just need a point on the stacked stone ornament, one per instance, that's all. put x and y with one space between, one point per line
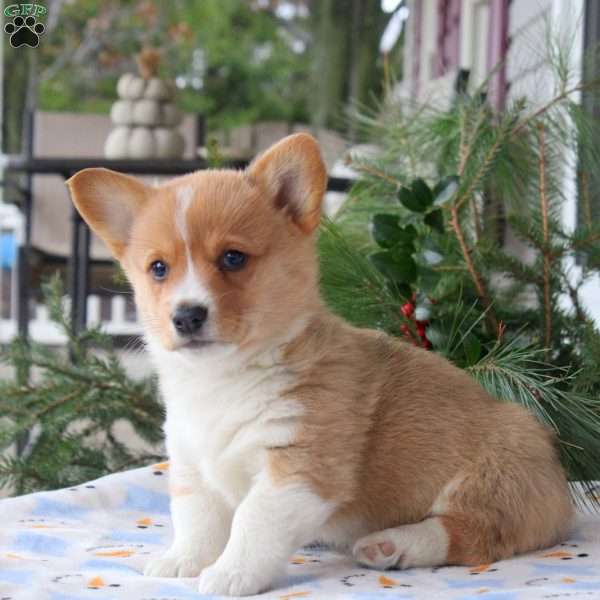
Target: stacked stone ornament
145 117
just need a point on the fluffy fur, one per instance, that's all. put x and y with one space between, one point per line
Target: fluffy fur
286 425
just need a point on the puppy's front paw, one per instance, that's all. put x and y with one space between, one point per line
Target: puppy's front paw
175 563
223 581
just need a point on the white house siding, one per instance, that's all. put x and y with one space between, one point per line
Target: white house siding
473 40
527 70
428 49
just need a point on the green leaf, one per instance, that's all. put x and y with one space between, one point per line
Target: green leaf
472 348
386 231
435 220
405 263
418 197
403 291
448 284
445 190
399 267
411 231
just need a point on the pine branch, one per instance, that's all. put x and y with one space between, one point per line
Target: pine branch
547 257
467 195
468 135
475 276
483 167
373 171
585 197
550 104
476 219
72 405
499 261
573 292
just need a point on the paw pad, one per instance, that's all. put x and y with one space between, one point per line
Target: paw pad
387 548
24 32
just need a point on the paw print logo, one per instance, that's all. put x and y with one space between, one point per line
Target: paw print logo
24 32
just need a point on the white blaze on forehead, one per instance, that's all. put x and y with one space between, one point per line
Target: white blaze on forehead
184 197
191 289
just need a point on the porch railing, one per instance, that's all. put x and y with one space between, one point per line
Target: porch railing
84 308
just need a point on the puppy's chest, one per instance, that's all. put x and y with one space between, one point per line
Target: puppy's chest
224 426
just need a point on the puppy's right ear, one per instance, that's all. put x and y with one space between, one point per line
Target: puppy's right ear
108 202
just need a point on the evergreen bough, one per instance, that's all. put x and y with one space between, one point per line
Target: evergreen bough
63 405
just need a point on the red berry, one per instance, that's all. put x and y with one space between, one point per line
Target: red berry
421 331
408 309
426 344
404 329
422 324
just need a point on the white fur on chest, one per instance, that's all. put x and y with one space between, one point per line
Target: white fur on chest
222 418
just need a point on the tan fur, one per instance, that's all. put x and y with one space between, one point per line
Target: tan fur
388 426
391 433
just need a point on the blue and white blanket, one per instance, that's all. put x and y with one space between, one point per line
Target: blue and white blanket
92 541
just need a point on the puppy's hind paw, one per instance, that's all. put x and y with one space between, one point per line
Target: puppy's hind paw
423 544
377 553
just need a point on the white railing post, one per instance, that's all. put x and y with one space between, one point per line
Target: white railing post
93 311
118 310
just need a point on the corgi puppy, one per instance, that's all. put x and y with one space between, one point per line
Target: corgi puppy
284 424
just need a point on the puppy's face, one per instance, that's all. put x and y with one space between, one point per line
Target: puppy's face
215 257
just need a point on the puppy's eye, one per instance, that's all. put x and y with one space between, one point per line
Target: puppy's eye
159 270
232 260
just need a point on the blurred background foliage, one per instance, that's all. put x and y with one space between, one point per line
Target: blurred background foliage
235 62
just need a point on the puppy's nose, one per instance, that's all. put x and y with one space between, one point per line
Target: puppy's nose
189 319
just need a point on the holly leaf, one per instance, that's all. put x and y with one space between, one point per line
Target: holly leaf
402 254
435 220
447 284
410 230
445 190
402 290
388 234
418 197
399 267
386 231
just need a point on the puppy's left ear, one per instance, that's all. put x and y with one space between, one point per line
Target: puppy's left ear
295 177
